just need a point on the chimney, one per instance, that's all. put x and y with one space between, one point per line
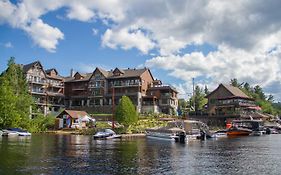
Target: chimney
71 72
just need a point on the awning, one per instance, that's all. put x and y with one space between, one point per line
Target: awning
87 119
255 108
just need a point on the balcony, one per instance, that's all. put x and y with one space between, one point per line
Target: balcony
58 85
38 92
41 82
96 86
79 88
125 84
235 103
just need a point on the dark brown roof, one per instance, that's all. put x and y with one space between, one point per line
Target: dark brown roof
104 72
49 70
235 91
75 114
86 76
57 77
163 87
30 65
127 73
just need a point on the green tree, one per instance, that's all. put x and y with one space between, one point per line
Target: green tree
125 112
182 106
198 99
259 92
14 97
206 90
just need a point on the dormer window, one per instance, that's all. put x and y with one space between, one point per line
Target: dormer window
118 72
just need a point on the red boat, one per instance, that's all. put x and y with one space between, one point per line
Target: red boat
235 131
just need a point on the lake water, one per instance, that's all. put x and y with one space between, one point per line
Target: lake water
71 154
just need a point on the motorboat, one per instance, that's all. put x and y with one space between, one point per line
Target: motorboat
238 131
15 132
167 133
106 134
220 134
246 127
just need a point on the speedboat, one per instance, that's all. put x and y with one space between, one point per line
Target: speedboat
246 127
15 132
106 134
238 131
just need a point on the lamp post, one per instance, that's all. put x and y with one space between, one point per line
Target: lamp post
193 91
113 106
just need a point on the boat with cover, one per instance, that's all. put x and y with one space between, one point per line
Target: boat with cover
179 130
106 134
169 133
15 132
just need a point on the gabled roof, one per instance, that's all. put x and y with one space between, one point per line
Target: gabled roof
128 73
117 70
104 72
49 70
30 65
75 114
86 77
235 91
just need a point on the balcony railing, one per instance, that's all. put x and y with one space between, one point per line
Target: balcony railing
37 82
125 84
60 85
96 86
37 92
236 103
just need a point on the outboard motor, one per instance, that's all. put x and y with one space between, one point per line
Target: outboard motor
203 135
182 137
267 131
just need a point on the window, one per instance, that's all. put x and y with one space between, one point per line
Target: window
212 101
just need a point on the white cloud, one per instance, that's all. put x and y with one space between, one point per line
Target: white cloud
8 45
25 16
246 33
222 65
44 35
127 39
80 12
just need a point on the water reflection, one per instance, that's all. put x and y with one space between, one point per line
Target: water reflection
71 154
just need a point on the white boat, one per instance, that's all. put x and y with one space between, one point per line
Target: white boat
106 134
15 132
170 132
194 129
165 133
220 134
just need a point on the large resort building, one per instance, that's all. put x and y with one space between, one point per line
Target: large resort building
45 86
100 90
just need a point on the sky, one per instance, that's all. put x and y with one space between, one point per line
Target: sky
211 41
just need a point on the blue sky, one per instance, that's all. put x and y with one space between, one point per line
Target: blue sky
212 41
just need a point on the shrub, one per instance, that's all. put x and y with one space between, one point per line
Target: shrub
125 112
